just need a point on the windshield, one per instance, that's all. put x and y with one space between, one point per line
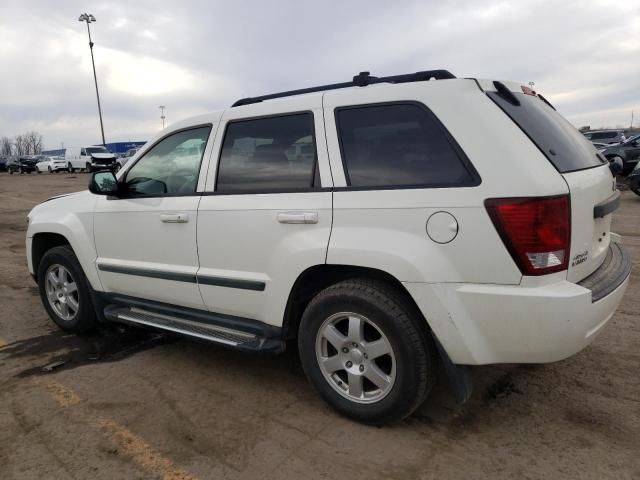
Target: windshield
603 135
565 147
97 150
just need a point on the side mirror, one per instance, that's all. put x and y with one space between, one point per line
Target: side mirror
616 166
104 183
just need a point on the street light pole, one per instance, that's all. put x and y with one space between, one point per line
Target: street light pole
89 19
162 107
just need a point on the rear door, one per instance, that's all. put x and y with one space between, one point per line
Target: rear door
266 215
591 185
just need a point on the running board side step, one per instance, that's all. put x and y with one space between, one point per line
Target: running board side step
193 328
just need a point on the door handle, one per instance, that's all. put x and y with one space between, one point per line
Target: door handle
298 217
174 217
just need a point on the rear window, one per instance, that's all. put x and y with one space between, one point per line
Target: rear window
565 147
400 145
603 135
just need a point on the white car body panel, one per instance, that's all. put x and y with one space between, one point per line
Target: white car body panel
367 222
52 164
253 245
76 159
130 233
72 217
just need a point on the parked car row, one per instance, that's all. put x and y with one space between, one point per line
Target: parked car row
627 152
22 165
606 137
90 158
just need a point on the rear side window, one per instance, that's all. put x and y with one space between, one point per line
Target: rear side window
268 154
565 147
400 145
603 135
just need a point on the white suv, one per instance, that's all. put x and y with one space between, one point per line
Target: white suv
387 224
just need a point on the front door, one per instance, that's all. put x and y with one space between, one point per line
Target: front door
146 239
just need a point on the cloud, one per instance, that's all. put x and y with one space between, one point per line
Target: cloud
197 56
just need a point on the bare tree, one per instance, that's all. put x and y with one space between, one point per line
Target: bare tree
20 144
33 141
6 147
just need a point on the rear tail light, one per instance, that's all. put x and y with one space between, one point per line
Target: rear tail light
536 231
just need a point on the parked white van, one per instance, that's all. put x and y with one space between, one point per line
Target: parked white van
90 158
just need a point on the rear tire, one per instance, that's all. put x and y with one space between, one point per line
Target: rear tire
88 168
65 291
342 335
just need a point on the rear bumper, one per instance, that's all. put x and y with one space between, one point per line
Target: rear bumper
481 324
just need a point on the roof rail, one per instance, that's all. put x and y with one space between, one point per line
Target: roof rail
361 80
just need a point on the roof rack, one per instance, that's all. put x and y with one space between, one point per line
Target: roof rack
361 80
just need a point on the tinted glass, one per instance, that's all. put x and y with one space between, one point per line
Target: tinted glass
399 145
97 150
171 166
565 147
602 135
268 154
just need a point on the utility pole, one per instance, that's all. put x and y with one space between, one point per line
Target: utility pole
90 19
162 117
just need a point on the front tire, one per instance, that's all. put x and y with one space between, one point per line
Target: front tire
65 290
366 351
88 168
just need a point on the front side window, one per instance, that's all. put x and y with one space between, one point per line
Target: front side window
399 145
268 154
171 166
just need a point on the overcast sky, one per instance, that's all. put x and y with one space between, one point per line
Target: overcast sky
196 57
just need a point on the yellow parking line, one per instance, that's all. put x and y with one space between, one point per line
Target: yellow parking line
61 394
3 342
142 453
128 442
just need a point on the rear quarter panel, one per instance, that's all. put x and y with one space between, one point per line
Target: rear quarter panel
386 229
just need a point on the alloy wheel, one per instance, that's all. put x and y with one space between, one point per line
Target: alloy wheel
62 292
355 357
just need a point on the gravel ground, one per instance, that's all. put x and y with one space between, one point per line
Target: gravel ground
139 404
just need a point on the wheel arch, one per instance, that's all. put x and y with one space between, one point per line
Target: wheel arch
318 277
41 243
